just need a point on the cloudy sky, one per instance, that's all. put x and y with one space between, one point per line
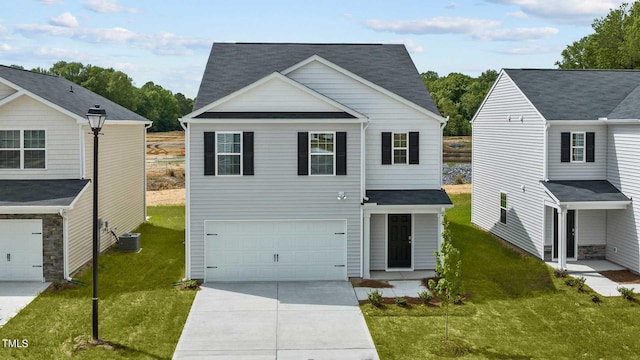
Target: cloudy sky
168 42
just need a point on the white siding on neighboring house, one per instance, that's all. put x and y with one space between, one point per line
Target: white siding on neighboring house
378 239
80 230
426 241
268 97
508 156
276 191
596 170
62 140
385 115
623 171
5 91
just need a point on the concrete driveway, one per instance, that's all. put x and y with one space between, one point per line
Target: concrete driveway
14 296
276 320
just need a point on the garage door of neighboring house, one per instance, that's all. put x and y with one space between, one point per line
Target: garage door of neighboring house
276 250
21 250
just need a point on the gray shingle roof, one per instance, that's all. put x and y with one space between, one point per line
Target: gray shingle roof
56 90
40 192
584 190
408 197
580 94
232 66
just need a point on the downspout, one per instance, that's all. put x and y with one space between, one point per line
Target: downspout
363 160
144 152
187 185
546 152
65 244
83 167
442 125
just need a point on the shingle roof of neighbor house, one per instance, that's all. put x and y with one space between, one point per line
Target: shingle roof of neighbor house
58 91
581 94
40 192
232 66
584 190
408 197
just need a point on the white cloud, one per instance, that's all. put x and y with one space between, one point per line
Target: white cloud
517 34
436 25
107 6
51 2
65 20
411 45
451 5
530 50
5 47
59 53
518 14
577 11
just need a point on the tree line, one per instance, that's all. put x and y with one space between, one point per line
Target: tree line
151 100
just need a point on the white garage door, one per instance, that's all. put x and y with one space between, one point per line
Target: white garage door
276 250
21 250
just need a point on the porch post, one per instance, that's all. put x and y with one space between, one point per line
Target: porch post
562 238
440 228
367 242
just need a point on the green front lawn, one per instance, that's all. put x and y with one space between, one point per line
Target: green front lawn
517 310
141 313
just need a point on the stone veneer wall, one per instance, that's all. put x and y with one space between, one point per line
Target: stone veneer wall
587 252
52 243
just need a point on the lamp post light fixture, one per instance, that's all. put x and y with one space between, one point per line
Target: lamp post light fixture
96 117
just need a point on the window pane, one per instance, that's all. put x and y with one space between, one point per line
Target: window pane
503 200
578 154
34 139
400 156
228 143
9 139
322 143
9 159
503 216
228 164
322 165
400 140
578 140
34 159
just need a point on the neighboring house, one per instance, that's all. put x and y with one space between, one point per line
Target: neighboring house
556 166
46 163
312 162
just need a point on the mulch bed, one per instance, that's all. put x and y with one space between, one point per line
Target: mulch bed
370 283
410 301
621 276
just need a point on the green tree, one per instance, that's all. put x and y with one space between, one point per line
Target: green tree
160 106
184 103
449 269
615 43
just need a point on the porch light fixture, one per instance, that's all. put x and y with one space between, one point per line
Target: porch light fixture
342 195
96 117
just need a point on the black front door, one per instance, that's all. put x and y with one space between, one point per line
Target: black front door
399 241
570 233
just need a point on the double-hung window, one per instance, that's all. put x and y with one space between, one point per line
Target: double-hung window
400 148
503 208
22 149
321 153
229 153
577 146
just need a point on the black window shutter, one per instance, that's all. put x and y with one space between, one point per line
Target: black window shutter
209 153
591 144
414 148
565 147
247 153
341 153
303 153
386 148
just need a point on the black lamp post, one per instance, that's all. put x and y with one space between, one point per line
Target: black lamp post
96 117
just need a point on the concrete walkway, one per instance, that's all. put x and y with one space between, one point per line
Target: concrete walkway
591 269
270 320
14 296
400 288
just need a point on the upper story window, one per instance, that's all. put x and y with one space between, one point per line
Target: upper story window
22 149
503 208
400 148
321 153
229 153
577 146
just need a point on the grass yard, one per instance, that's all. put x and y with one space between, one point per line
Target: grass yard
141 313
517 310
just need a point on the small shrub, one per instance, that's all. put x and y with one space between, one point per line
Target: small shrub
570 282
172 173
627 293
400 301
579 282
425 296
375 297
458 180
190 285
56 285
457 300
596 299
560 273
453 348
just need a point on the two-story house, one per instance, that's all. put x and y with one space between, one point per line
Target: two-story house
555 168
311 162
46 164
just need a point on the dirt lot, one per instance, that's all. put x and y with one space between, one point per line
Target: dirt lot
456 149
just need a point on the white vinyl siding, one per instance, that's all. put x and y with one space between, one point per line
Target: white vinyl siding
426 241
507 156
377 245
80 241
596 170
5 91
276 192
623 171
591 227
385 115
62 140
